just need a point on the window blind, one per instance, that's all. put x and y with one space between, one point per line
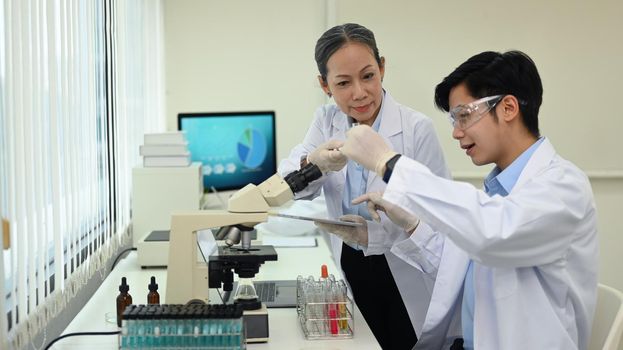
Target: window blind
80 82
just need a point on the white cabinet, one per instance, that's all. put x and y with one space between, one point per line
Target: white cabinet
158 191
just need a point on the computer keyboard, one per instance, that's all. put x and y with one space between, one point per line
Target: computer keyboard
265 291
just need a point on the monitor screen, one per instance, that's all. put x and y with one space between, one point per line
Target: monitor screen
235 148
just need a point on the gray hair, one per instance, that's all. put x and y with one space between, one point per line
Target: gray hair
338 36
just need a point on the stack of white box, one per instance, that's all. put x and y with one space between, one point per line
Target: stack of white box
166 149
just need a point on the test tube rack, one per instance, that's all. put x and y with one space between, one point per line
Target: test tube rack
164 327
324 309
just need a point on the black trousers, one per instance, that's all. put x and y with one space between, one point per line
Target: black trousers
378 298
457 345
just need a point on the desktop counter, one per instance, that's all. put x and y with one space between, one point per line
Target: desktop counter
284 328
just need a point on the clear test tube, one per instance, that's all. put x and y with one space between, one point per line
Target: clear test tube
342 310
313 308
179 326
219 328
171 327
196 325
124 335
128 327
213 341
333 307
306 299
135 336
353 122
149 327
299 292
324 303
157 331
140 329
228 339
205 329
239 328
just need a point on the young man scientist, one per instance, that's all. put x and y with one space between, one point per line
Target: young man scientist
519 260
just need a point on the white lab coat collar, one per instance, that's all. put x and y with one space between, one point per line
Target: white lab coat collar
541 158
391 123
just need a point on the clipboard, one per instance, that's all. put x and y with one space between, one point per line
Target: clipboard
324 221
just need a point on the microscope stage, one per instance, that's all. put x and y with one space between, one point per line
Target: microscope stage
258 253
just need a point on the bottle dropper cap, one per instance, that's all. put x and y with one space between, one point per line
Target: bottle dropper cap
324 273
153 286
124 288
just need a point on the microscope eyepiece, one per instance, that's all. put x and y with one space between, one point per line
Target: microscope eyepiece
300 179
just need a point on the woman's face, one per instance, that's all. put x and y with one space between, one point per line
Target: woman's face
354 79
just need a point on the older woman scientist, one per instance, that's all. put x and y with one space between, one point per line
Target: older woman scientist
351 71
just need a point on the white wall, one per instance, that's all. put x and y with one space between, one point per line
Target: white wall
244 55
577 46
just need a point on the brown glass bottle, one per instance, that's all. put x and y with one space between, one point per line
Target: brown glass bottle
123 299
153 297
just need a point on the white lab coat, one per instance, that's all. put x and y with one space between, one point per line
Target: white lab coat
535 253
410 133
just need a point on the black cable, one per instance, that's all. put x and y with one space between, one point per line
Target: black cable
219 294
119 256
80 333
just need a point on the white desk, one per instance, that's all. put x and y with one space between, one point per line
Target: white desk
284 328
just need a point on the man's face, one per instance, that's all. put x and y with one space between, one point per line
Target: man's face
354 78
482 140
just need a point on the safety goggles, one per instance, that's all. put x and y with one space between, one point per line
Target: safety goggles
464 116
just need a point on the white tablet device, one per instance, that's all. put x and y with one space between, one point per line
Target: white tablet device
324 221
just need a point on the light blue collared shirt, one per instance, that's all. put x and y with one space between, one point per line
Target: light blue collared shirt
496 183
357 181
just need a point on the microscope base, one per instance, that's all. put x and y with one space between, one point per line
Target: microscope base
256 324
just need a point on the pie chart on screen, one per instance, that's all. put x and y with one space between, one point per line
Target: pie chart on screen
252 148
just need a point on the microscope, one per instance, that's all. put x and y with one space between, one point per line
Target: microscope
189 278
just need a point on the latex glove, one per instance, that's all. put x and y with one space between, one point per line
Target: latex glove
349 234
368 148
395 213
327 156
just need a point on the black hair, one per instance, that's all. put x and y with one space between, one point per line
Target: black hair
493 73
338 36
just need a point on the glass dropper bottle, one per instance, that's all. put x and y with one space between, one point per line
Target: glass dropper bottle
153 297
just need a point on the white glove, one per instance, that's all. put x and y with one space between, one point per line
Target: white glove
349 234
366 147
395 213
327 156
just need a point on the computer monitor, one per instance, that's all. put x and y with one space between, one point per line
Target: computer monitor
235 148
